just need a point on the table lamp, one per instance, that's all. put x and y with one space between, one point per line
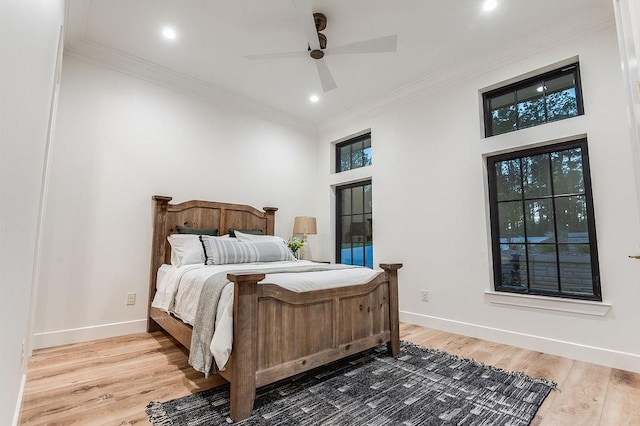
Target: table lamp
304 225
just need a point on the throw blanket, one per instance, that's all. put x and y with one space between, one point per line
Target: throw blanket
200 357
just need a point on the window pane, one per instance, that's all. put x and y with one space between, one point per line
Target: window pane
567 172
508 180
346 230
357 229
503 113
511 220
345 201
543 267
575 269
561 97
344 153
572 219
357 155
368 229
368 204
513 265
357 254
366 155
536 176
357 200
345 256
539 220
531 107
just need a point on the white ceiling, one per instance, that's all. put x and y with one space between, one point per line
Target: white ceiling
434 37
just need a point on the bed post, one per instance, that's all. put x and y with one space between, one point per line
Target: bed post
160 206
271 218
245 344
394 314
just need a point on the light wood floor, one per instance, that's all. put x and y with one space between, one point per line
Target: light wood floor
110 382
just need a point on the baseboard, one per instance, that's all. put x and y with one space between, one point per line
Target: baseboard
592 354
83 334
18 410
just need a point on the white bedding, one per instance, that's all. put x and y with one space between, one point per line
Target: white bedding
178 291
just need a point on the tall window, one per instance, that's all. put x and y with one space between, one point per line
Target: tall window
552 96
353 153
354 239
542 224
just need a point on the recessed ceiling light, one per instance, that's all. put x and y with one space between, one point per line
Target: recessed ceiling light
490 5
169 33
314 98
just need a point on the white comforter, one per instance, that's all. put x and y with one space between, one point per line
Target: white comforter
178 291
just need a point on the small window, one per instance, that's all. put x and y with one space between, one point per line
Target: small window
542 225
354 219
552 96
353 153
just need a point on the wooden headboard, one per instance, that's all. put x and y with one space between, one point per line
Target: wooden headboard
200 214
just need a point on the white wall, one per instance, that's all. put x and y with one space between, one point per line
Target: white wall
120 140
431 213
29 33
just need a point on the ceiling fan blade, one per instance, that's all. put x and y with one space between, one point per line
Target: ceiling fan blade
328 83
305 17
276 55
374 45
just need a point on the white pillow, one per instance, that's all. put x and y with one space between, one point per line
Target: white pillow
257 238
186 249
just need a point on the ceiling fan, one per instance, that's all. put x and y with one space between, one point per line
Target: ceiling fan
312 25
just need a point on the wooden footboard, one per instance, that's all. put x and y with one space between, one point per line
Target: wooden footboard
279 333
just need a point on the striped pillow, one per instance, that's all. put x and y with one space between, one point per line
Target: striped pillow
221 251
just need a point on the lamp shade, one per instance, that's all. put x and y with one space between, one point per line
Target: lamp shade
305 225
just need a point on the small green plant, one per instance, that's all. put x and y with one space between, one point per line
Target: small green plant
295 244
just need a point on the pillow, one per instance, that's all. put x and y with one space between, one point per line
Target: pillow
232 231
186 249
202 231
257 237
220 251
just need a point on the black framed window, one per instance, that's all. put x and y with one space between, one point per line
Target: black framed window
353 153
354 229
542 223
552 96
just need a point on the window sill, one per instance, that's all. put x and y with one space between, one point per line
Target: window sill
584 307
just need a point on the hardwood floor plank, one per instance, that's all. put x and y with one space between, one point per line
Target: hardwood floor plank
581 397
622 403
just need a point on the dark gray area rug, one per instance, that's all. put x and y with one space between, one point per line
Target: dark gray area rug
419 387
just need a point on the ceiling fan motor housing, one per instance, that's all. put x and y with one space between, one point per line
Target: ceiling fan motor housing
321 23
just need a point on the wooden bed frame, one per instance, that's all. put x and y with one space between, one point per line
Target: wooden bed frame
277 333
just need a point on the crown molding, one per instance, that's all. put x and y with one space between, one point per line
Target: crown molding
77 45
592 22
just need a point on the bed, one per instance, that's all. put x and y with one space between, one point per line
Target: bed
275 330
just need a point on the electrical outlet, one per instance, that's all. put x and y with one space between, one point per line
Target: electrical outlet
131 298
425 296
